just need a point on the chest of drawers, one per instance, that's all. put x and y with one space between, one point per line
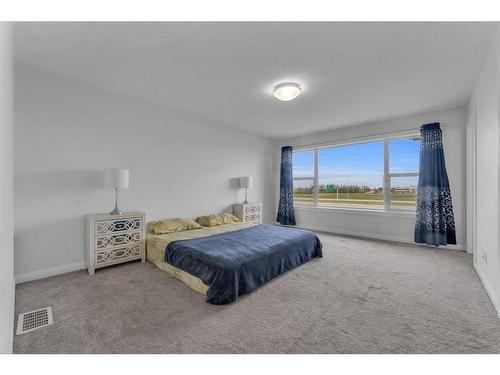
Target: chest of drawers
112 239
248 212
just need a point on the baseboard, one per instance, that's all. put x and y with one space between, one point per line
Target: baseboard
47 272
489 289
375 236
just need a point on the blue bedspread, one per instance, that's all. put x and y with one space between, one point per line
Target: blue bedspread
238 262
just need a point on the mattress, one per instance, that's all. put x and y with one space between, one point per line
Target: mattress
156 245
238 262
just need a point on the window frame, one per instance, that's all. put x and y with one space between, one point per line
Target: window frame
386 138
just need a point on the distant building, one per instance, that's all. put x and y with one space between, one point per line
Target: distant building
405 190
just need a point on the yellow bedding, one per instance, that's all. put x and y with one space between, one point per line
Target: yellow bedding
156 244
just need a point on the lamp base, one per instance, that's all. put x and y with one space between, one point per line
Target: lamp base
246 196
116 211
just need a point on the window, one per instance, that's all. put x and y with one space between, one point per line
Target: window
404 159
303 177
378 174
351 176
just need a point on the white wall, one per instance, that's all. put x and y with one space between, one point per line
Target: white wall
383 225
484 115
6 193
66 134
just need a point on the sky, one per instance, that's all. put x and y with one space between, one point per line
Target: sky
360 164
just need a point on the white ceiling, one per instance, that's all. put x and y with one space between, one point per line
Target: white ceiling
350 73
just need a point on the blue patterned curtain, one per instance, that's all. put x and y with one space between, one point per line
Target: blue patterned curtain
435 224
286 214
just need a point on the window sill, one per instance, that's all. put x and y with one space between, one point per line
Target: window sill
359 211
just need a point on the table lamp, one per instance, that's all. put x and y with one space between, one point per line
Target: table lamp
117 178
246 183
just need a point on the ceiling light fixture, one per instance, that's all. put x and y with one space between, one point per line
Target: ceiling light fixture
287 91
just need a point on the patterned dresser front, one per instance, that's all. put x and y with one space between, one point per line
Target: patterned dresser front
248 212
113 239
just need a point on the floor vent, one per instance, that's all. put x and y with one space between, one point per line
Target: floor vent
32 320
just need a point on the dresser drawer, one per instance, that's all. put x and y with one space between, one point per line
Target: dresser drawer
116 226
252 218
117 255
122 239
252 209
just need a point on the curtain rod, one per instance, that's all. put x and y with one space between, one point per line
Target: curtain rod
374 137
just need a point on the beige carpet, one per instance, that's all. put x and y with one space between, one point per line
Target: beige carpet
362 297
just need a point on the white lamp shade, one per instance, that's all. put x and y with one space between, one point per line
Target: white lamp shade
117 178
245 182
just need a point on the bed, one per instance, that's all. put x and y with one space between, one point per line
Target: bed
225 261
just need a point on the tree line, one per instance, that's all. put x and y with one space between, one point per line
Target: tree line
341 189
354 189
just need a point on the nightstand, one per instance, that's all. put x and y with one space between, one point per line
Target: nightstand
112 239
248 212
